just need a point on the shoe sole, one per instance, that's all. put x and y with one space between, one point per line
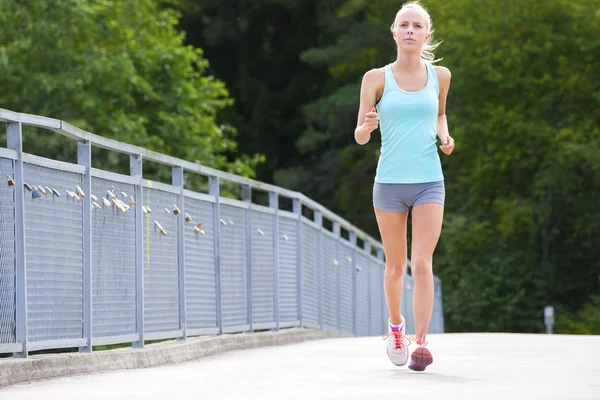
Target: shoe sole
421 358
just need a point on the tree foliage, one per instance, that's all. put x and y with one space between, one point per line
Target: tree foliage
521 213
254 46
118 69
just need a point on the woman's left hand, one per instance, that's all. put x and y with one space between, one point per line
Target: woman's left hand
447 145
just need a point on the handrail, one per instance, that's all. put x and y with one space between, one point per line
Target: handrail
75 133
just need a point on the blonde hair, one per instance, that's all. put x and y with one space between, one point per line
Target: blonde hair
427 53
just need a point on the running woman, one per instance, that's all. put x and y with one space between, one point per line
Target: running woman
407 100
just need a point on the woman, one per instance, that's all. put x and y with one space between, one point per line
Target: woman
407 98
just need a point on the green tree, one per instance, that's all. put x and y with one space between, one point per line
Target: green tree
527 122
120 70
254 47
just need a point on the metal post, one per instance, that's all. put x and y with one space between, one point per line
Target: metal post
14 138
247 197
214 190
549 318
383 302
84 157
297 209
354 286
177 181
319 221
338 271
367 248
274 203
135 169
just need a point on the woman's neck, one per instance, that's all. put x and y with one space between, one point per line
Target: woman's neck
408 62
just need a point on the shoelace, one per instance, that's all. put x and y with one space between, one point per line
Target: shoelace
401 339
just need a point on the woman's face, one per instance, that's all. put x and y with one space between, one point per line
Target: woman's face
412 30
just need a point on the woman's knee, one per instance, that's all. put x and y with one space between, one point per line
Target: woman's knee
395 269
421 267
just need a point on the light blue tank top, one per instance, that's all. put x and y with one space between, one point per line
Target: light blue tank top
408 125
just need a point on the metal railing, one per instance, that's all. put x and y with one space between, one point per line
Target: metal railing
90 257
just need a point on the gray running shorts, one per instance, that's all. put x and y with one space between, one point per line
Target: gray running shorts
398 197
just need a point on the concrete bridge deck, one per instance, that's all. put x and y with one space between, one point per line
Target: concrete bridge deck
466 366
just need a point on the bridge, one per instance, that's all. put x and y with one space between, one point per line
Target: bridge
219 290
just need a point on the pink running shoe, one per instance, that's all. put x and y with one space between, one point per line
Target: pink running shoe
421 358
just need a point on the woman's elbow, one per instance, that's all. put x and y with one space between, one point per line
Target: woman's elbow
361 138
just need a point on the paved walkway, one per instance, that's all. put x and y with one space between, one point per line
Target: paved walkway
466 366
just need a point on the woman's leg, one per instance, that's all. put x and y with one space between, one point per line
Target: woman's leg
426 227
392 228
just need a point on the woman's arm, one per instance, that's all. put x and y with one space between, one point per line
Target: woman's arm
370 91
444 77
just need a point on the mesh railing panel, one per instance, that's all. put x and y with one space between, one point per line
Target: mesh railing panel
161 271
407 303
200 277
329 261
377 297
7 253
346 289
54 255
362 295
263 283
437 317
113 261
288 271
234 272
310 275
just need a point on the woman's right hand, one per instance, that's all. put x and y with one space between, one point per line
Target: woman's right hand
371 120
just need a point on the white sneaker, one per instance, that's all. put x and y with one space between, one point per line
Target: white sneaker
397 344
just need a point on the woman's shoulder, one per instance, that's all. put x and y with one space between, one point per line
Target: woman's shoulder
443 73
374 75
